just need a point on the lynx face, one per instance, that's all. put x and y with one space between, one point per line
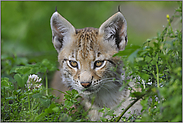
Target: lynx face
85 55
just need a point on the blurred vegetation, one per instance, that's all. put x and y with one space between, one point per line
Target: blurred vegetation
26 29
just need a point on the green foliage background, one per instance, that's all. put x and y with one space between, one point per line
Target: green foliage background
25 29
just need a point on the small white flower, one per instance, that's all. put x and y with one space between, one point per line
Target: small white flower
33 82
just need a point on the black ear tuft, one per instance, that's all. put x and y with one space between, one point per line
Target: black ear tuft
56 9
119 9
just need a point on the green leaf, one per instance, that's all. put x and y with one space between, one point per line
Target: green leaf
68 104
45 62
23 61
21 69
19 80
55 109
37 95
67 96
128 50
136 94
132 56
144 76
43 69
6 84
10 98
68 92
45 102
40 117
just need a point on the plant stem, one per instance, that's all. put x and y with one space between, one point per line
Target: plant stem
157 75
131 104
29 102
46 84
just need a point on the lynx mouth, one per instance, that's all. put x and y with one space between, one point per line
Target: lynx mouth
89 91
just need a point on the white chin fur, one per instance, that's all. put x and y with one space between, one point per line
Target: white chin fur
87 93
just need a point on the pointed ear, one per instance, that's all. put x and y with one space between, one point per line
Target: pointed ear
62 31
114 31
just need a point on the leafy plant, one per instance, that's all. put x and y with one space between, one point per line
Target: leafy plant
30 101
157 68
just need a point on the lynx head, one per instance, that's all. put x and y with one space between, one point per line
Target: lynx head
85 55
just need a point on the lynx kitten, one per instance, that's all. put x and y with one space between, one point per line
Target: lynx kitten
87 65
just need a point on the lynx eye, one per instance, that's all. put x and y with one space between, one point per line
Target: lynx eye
73 64
99 63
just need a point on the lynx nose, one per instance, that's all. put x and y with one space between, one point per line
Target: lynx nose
86 84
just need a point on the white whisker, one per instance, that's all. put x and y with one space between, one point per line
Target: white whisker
110 80
106 89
